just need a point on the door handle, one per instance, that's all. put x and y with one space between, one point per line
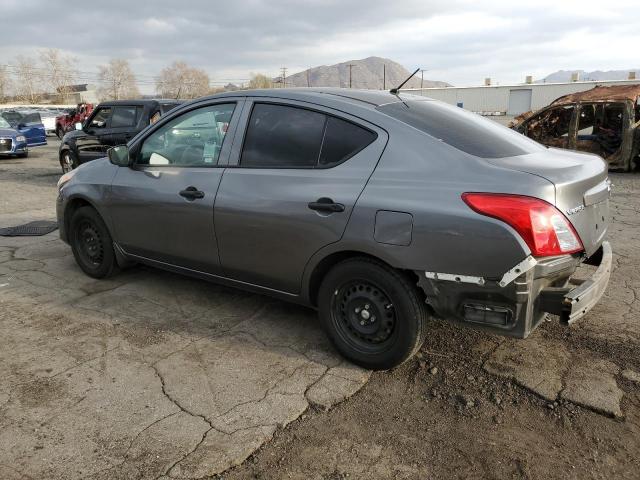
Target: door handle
325 204
191 193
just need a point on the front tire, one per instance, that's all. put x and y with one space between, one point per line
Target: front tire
91 243
23 155
68 161
59 132
373 314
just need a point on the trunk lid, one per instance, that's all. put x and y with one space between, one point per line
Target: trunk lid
582 188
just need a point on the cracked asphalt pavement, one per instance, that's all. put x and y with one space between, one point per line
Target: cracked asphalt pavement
150 375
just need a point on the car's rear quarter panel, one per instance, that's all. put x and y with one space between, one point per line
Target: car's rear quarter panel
420 176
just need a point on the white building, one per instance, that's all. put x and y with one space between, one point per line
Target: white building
509 100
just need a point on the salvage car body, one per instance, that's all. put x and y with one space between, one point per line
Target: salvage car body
66 122
402 202
603 120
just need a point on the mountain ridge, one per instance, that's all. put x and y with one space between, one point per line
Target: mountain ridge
367 73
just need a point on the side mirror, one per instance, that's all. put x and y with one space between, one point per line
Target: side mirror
119 155
78 126
22 126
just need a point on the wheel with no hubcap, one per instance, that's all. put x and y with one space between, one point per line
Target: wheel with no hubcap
68 162
373 314
91 243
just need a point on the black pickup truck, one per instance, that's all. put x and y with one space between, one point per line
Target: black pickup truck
111 123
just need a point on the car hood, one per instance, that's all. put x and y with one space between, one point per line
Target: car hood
74 134
8 132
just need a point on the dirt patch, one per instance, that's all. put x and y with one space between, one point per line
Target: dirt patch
40 392
443 416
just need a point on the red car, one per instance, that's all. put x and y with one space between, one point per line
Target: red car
66 122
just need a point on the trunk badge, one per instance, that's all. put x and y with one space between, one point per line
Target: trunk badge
577 209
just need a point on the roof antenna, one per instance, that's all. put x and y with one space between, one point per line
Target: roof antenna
396 90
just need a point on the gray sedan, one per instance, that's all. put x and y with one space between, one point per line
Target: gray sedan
377 209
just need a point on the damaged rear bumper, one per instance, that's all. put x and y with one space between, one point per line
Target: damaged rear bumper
571 304
515 304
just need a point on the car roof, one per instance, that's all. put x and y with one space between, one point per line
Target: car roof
372 98
602 94
141 102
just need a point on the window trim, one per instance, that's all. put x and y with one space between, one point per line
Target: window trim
265 101
235 115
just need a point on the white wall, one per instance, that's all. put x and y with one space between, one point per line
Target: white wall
495 99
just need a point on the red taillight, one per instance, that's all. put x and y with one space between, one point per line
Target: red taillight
545 229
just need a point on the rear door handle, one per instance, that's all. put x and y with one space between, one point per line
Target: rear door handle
191 193
325 204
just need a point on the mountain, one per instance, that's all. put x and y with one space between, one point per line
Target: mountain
365 73
565 75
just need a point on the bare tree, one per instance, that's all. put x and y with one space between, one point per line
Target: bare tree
5 83
60 71
117 81
259 80
179 80
28 80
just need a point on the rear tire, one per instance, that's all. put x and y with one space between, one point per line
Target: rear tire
68 161
373 314
91 243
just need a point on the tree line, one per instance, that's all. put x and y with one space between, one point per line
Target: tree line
51 72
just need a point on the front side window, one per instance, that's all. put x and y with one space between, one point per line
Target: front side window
280 136
551 124
191 140
125 116
101 118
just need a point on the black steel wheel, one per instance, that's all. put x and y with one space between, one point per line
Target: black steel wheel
91 243
373 314
363 315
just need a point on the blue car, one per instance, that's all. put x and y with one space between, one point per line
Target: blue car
18 131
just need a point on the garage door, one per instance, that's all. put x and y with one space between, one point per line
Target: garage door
519 101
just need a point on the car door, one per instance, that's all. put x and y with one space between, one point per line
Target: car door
97 135
162 206
290 189
124 122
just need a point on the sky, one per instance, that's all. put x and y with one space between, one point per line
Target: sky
457 41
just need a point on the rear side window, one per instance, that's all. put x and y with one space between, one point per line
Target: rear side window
461 129
280 136
342 140
125 116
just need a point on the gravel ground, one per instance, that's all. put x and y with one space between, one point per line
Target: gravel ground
109 379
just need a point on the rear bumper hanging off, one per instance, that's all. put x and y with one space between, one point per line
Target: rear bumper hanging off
516 303
572 303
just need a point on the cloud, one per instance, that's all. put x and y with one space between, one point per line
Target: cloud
459 41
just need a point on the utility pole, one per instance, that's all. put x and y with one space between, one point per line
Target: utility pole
351 65
384 76
308 82
284 76
422 78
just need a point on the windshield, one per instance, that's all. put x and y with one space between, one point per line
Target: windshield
461 129
4 123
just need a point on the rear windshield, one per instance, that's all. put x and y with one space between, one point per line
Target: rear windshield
461 129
